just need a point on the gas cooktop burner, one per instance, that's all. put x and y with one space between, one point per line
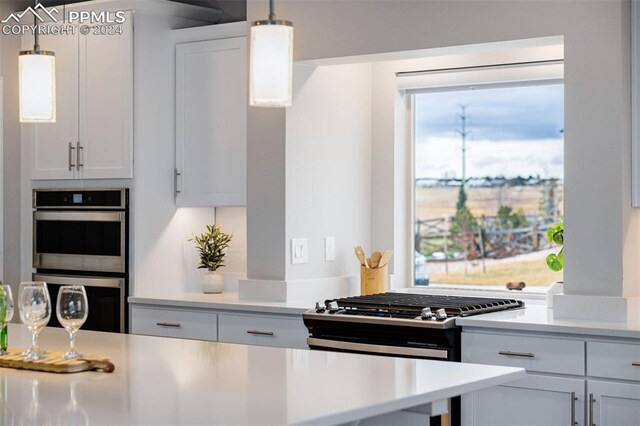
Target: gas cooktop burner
437 310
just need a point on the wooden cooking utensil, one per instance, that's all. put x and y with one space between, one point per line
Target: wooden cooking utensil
374 260
386 257
360 255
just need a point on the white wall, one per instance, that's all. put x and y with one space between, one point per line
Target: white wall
161 253
328 167
597 105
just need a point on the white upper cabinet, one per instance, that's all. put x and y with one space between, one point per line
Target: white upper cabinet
53 145
211 122
93 135
106 104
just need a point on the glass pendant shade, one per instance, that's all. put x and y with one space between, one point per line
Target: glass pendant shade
37 70
271 64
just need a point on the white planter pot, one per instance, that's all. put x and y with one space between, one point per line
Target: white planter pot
557 287
212 282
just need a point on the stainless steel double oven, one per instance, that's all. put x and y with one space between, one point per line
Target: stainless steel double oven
81 237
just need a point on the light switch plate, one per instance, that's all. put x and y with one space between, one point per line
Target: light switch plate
330 249
299 251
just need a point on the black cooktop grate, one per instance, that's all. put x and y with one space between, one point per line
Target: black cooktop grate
410 305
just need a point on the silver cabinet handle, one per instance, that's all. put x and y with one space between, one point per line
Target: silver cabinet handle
80 154
636 363
71 149
260 333
520 354
176 174
169 324
574 398
592 400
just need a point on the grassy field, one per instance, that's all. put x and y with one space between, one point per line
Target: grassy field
530 269
531 272
439 202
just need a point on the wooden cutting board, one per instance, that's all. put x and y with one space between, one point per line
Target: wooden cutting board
55 363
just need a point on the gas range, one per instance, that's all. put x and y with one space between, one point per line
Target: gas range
407 309
398 324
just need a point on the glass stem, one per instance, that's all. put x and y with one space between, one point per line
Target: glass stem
72 341
34 342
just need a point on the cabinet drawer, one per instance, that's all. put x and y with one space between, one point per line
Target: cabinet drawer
167 322
613 360
532 353
263 330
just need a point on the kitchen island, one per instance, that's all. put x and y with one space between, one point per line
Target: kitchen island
177 381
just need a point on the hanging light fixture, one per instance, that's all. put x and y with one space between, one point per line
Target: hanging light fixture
271 62
37 72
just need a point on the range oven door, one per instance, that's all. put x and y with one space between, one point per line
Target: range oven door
93 241
106 298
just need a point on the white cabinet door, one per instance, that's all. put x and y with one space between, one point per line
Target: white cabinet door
211 123
613 403
533 401
53 145
106 104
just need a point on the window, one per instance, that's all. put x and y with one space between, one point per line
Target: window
488 176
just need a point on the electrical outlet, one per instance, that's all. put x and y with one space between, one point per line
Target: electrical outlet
299 251
330 249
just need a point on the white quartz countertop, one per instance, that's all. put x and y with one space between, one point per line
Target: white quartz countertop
539 318
160 381
226 300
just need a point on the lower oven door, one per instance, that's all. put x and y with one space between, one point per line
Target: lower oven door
106 298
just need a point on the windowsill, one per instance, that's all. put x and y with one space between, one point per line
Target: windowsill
533 294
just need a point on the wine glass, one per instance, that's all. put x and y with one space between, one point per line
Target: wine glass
72 310
34 304
6 297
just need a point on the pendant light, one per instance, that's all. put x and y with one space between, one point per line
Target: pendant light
37 73
271 62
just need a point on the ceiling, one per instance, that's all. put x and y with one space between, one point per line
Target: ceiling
234 10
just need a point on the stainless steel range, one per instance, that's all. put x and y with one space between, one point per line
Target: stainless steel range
398 324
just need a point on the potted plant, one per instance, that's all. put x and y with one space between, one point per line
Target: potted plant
555 262
212 246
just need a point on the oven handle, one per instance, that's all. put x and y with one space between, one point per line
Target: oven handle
80 216
85 281
378 349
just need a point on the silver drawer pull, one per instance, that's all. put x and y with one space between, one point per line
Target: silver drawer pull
636 363
521 354
260 333
169 324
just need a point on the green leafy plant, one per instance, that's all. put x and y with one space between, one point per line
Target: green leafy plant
212 246
555 235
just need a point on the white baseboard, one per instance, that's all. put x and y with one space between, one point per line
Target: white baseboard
591 308
291 290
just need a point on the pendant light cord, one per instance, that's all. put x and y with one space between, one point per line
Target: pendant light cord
272 15
36 35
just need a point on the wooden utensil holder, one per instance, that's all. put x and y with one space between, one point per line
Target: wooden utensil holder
374 281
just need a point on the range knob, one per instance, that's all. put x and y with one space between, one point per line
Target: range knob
441 314
426 314
319 308
332 307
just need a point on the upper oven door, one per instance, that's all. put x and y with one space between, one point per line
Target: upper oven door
92 241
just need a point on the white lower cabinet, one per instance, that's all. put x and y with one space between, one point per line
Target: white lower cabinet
571 380
263 330
171 322
613 403
534 401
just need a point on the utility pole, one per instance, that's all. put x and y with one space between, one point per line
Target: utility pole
463 134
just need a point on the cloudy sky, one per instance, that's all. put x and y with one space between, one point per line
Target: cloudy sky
512 132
